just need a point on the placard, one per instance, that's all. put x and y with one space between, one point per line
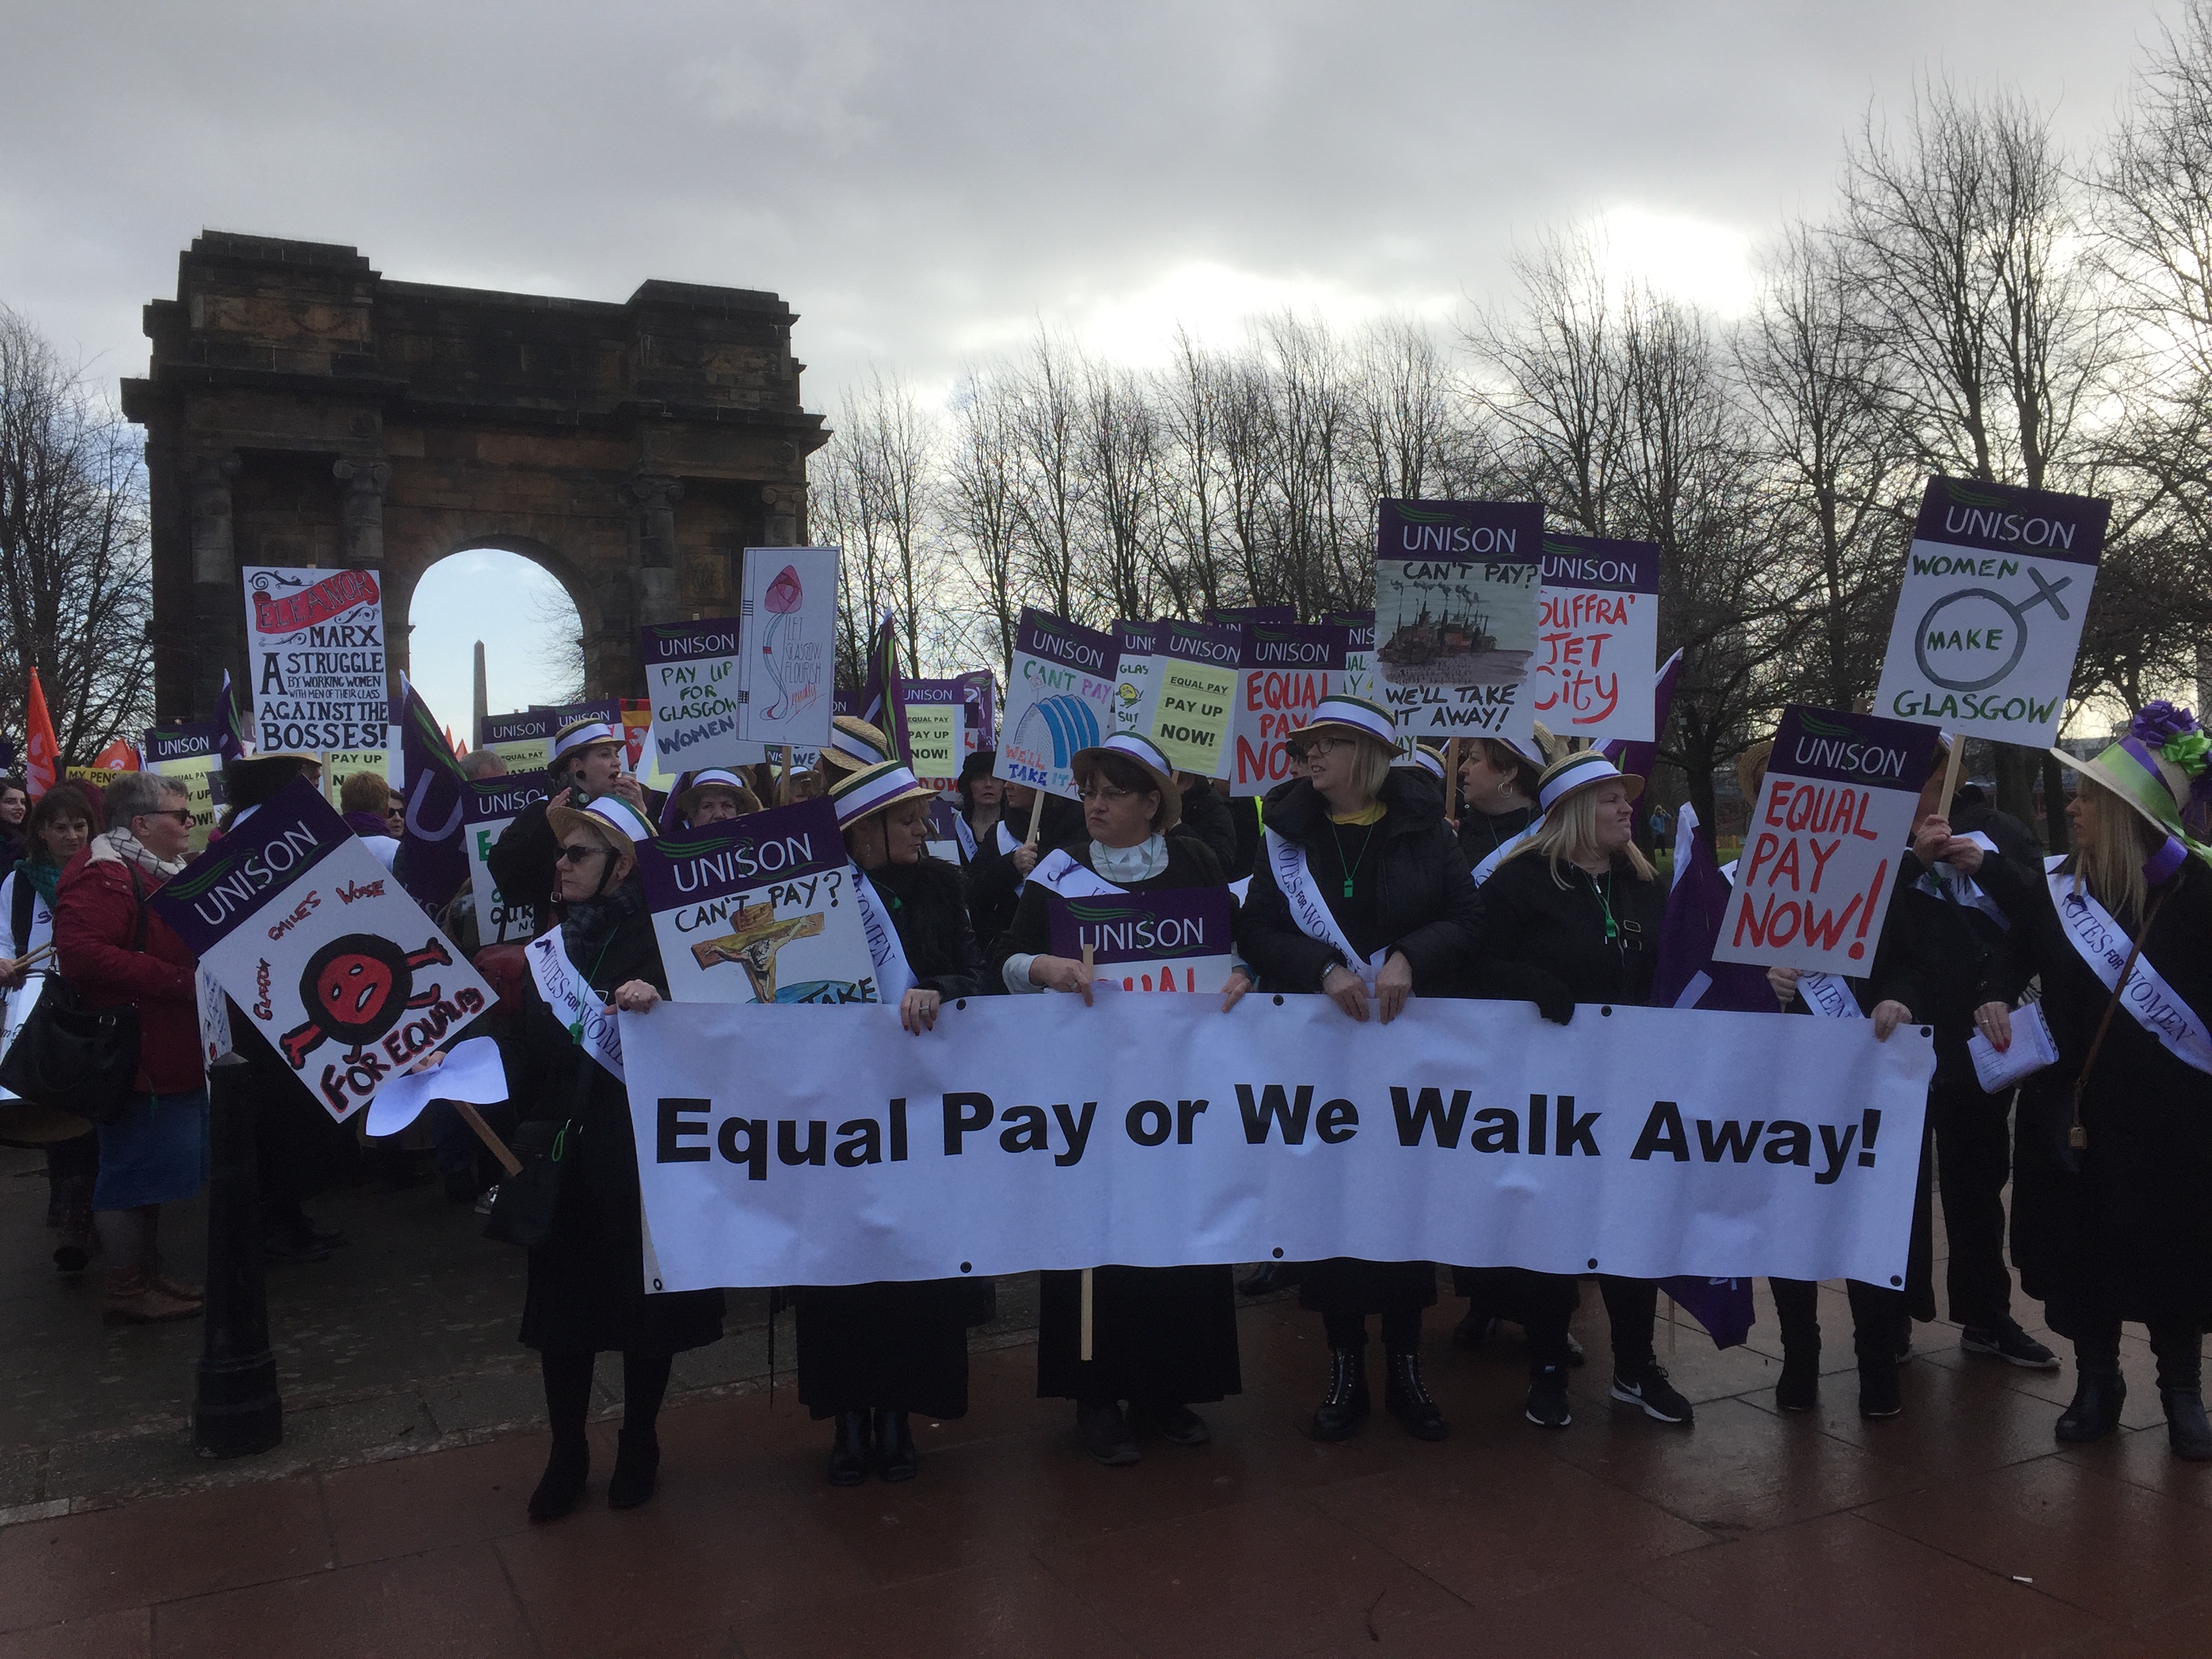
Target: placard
188 754
1061 698
1988 614
315 650
789 617
1173 938
1359 678
1820 857
321 948
693 681
339 764
980 686
1136 688
759 909
1287 671
1456 585
1197 668
489 805
934 712
524 741
1597 638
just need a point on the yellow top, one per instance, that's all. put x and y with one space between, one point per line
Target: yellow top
1371 813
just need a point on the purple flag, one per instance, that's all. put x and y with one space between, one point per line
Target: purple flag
234 728
433 860
1723 1306
1636 760
982 690
1686 976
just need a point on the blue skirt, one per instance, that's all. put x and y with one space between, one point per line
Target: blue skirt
156 1153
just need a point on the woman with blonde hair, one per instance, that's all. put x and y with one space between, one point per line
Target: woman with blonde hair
2113 1161
1572 915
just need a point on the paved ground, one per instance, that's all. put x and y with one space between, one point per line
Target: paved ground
1960 1529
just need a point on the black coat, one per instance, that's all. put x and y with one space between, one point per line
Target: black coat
1244 815
1189 865
1413 894
2122 1228
586 1292
1543 935
928 905
1480 834
993 887
1206 817
522 862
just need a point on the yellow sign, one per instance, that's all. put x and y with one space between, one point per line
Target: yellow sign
196 774
1190 722
339 764
933 736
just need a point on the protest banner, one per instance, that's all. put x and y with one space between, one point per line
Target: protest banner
189 753
1287 670
315 649
325 953
1037 1133
524 741
934 713
1061 697
489 805
1597 638
1170 940
1988 614
789 624
1196 666
693 681
759 909
1456 585
1136 689
1832 819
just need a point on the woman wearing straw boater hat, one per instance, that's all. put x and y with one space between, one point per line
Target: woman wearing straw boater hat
714 794
871 1355
1361 895
1164 1339
1572 915
1497 783
587 761
2111 1220
587 1287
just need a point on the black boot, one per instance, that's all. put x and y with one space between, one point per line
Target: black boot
2186 1430
1798 1388
1346 1403
895 1457
2095 1413
1878 1396
1406 1398
562 1485
637 1468
1474 1327
849 1452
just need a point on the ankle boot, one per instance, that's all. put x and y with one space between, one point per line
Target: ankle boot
850 1451
563 1484
1878 1396
1339 1412
2095 1413
2186 1430
895 1457
637 1468
133 1298
1407 1398
1798 1388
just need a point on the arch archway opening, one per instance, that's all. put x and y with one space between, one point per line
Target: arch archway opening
533 634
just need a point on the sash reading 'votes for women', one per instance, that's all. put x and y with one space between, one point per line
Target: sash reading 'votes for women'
894 976
1488 867
574 1002
1311 912
1827 993
1057 872
2155 1004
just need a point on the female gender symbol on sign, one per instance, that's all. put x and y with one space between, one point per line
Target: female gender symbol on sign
2045 592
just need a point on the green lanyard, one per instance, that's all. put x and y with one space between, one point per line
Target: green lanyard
1351 866
576 1025
1605 904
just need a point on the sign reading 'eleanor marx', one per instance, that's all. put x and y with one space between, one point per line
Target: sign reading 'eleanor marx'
315 642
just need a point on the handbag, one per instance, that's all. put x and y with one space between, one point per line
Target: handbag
523 1213
74 1057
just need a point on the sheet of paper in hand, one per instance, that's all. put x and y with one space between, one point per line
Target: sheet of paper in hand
1597 638
1173 939
1061 697
759 909
323 951
1989 616
1456 590
1832 820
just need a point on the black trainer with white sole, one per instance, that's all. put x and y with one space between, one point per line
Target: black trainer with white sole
1648 1387
1547 1397
2007 1342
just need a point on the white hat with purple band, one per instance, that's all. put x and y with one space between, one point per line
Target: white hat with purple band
1581 770
582 734
874 788
1353 715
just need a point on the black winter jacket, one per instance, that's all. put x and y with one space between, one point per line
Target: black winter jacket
1206 817
929 910
1543 935
1190 863
1413 892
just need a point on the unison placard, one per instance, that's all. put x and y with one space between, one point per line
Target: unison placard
1455 594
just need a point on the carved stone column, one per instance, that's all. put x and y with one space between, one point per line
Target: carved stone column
654 521
781 505
360 509
215 548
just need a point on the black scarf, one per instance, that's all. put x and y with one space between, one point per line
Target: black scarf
587 924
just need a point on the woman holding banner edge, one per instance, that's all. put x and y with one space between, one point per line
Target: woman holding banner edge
871 1355
2114 1159
1164 1338
1570 915
1361 894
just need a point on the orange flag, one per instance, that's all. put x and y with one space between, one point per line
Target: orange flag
42 762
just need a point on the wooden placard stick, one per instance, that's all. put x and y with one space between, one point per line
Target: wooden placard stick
783 788
1950 778
474 1119
1037 816
1089 967
1451 778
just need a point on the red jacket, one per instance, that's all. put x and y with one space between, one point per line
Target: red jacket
95 917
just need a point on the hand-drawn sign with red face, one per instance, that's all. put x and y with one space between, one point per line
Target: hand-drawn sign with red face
355 989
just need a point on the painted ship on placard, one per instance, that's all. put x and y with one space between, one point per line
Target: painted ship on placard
1445 649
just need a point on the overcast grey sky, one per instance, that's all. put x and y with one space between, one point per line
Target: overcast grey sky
924 182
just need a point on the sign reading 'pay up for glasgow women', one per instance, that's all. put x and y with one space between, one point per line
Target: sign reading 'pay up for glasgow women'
1989 616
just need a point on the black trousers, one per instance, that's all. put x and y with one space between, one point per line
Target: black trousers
1973 1161
1879 1317
2179 1350
1549 1300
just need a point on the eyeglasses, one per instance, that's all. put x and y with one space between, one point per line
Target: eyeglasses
1106 793
182 814
578 853
1325 745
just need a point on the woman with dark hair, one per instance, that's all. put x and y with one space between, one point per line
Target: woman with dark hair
1164 1339
1572 915
998 865
58 828
1497 783
871 1355
587 1290
2110 1219
1362 895
14 810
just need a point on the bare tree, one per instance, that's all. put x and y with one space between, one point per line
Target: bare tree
1122 469
982 505
1190 394
1046 413
74 572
